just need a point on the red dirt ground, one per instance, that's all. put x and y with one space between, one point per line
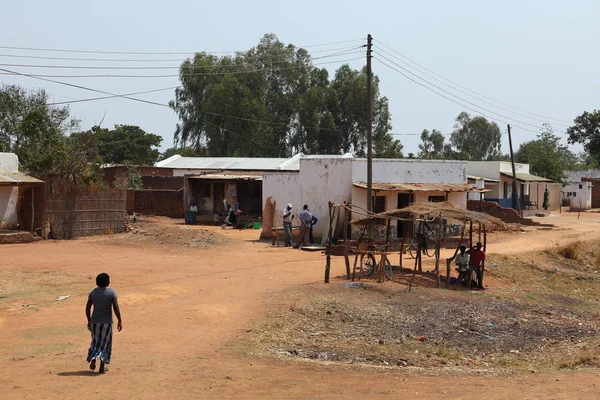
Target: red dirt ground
185 312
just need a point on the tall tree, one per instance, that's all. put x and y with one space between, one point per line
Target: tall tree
432 145
586 131
38 134
126 144
546 156
272 101
475 139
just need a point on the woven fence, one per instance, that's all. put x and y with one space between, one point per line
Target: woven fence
73 212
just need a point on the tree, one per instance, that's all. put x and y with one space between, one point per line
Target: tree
432 145
546 156
271 101
38 134
475 139
126 144
183 152
586 131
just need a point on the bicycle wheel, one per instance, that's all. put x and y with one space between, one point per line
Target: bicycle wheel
367 264
387 270
412 248
430 252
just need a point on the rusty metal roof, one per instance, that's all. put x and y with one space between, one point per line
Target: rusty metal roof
16 178
419 187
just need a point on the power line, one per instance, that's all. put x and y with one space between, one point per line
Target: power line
453 95
154 53
545 118
353 50
137 59
181 74
112 96
441 95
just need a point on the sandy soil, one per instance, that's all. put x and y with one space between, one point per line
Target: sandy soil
186 316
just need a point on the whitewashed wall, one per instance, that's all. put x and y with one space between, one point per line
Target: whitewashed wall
583 198
322 180
283 188
492 169
575 176
9 194
411 171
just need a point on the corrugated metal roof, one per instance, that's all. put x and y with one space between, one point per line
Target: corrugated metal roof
481 177
419 187
227 177
16 178
527 177
231 163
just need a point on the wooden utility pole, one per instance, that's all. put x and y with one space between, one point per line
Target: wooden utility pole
516 203
369 131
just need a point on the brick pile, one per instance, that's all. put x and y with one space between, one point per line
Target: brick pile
508 215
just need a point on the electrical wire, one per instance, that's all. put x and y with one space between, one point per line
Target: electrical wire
180 74
112 96
545 118
154 53
137 60
453 95
353 50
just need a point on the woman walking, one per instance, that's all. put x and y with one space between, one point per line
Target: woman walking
104 301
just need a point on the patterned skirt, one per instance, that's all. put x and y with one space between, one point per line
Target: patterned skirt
101 346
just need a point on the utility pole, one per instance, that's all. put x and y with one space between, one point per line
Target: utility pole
369 130
515 201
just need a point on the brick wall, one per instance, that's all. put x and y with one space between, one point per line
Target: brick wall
162 182
166 203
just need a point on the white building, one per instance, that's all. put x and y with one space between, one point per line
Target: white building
396 184
583 190
14 186
497 176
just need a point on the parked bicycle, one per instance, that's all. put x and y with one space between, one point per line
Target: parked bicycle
368 265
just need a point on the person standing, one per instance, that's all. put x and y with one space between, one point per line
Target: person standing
305 218
100 322
476 260
462 262
191 218
287 224
546 203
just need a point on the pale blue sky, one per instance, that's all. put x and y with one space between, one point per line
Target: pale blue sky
540 56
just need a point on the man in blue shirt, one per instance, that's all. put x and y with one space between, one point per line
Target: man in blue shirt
305 218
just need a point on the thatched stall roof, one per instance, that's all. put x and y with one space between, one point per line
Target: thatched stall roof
431 211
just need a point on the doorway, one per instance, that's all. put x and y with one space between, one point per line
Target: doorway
219 195
404 227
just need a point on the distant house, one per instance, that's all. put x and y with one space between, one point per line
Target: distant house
21 196
497 176
583 189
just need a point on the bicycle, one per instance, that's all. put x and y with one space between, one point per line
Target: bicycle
368 265
413 246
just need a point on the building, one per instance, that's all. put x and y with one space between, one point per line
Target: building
497 176
583 184
21 197
396 184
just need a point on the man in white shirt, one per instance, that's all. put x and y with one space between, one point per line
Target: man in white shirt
462 261
305 220
191 218
287 224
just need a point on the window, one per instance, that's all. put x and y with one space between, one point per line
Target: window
580 186
378 204
437 199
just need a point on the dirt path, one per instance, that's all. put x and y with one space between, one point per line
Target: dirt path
185 318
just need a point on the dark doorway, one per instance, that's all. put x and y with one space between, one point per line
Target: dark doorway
403 228
219 195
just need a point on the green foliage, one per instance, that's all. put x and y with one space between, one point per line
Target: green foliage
38 134
586 131
284 106
474 139
546 156
432 145
126 144
134 179
183 152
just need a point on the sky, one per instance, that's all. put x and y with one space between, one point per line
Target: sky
536 56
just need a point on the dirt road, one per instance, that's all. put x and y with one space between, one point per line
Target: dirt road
186 313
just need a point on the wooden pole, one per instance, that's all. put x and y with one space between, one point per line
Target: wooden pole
415 268
438 244
516 203
402 250
328 258
32 208
369 131
346 244
479 232
382 263
470 248
484 250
